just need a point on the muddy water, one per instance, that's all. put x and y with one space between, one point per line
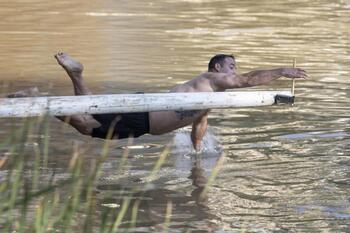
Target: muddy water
284 169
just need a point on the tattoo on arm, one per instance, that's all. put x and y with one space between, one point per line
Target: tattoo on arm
184 114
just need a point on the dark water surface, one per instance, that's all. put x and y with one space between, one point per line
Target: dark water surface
284 169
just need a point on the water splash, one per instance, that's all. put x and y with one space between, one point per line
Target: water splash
182 143
185 155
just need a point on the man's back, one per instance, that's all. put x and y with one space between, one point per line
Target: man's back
166 121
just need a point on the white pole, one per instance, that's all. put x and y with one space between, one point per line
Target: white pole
123 103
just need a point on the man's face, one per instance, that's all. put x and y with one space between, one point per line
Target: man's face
228 67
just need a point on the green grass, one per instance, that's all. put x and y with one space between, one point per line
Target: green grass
28 204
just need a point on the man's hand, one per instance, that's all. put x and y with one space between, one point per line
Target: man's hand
293 73
196 144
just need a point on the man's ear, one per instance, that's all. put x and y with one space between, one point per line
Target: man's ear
217 66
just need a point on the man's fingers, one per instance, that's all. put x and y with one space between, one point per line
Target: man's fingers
296 73
302 74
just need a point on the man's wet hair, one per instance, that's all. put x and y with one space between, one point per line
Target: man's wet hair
218 58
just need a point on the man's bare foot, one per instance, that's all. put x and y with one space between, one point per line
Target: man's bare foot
73 67
30 92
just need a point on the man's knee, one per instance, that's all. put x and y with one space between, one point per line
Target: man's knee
85 131
82 127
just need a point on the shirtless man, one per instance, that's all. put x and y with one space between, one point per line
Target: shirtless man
221 75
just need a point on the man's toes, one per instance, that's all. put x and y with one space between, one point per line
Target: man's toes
58 55
62 54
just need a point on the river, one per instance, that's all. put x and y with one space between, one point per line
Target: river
282 168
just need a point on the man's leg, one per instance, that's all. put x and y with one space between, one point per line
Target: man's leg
83 123
74 70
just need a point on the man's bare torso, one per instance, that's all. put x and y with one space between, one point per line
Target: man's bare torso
166 121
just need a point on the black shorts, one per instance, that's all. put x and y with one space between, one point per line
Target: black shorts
124 125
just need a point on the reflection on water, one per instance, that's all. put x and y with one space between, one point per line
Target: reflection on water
285 168
189 205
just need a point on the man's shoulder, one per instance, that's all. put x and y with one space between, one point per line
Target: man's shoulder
211 76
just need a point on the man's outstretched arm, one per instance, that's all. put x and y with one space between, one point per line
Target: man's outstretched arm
261 77
257 77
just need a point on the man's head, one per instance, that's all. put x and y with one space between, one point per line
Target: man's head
222 63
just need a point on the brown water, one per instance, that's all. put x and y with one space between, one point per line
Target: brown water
285 169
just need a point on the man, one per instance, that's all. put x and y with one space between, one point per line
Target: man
221 75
